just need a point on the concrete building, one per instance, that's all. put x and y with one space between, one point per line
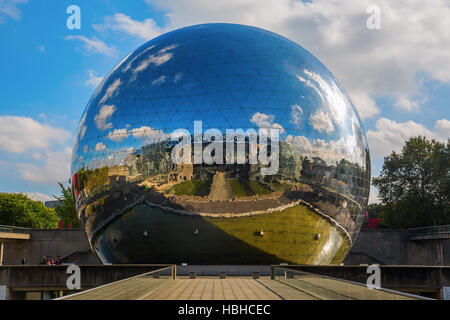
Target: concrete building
380 246
32 244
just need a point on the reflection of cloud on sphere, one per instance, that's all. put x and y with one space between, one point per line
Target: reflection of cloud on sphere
228 77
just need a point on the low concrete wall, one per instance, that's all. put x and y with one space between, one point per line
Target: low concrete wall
392 247
429 252
229 270
382 246
70 244
49 278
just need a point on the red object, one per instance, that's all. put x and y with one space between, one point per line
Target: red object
60 224
373 222
75 184
70 225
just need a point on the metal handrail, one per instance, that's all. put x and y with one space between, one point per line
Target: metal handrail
429 230
13 229
173 277
299 272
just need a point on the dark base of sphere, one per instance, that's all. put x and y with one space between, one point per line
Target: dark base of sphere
150 235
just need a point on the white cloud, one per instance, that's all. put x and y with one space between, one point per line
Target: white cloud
159 81
157 59
37 155
41 48
94 45
38 196
296 113
278 126
52 117
55 168
20 134
83 131
321 122
263 120
149 135
366 106
42 145
130 63
330 151
443 127
93 80
391 135
118 135
146 29
100 146
414 39
330 94
8 8
404 102
111 90
103 115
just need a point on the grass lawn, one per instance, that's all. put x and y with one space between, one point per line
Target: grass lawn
289 235
280 187
247 188
192 188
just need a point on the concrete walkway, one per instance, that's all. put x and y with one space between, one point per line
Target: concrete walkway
213 289
220 188
133 289
232 288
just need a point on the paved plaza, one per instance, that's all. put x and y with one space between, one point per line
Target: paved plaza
234 288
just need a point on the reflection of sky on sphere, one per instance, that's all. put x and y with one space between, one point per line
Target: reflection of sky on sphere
228 77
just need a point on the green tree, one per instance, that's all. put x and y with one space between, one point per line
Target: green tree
66 209
20 211
414 185
94 179
375 209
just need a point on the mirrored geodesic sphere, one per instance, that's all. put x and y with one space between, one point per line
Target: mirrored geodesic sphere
221 144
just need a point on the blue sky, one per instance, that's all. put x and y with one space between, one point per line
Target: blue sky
398 77
44 75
